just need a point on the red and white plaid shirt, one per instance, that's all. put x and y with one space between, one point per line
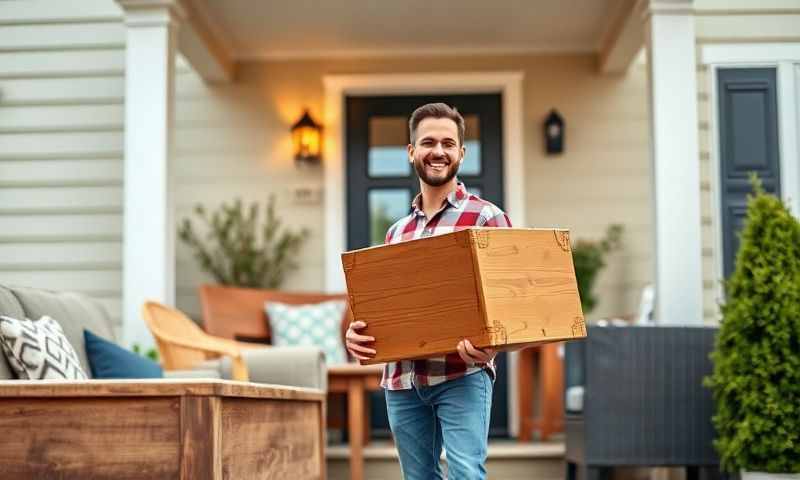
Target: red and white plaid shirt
461 210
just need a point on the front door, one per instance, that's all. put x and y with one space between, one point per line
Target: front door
381 185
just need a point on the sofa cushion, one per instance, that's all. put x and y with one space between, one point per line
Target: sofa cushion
9 306
109 360
74 313
39 350
315 325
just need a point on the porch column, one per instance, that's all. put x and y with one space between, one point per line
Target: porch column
670 41
149 228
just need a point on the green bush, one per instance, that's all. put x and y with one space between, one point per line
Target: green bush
589 258
151 353
238 251
756 377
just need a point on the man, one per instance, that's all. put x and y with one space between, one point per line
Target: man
443 400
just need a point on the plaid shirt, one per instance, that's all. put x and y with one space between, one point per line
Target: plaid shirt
461 210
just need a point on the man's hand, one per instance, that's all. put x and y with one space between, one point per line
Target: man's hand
473 356
355 342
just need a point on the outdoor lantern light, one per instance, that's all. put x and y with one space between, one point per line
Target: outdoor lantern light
307 140
554 133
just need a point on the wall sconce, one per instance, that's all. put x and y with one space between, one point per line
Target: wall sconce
554 133
307 140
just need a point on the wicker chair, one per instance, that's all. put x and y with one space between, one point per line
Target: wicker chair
182 344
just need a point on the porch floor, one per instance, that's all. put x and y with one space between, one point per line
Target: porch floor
508 460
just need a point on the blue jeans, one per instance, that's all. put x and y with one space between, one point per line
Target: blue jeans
455 413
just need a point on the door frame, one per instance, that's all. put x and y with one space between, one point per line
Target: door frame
785 58
507 83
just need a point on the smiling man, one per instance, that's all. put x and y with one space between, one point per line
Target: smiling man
438 401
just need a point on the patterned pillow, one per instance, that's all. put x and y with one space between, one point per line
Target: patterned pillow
317 325
39 350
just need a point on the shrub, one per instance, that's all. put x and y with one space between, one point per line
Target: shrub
756 377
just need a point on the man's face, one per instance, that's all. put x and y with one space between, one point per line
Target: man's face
436 154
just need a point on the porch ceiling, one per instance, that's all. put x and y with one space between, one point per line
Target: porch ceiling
276 29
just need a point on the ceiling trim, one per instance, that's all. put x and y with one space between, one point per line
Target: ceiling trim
203 46
624 38
414 52
221 36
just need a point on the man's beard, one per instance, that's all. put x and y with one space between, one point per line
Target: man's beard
435 181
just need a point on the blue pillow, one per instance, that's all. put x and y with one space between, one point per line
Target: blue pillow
109 360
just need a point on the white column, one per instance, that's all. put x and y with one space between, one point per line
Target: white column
670 40
149 227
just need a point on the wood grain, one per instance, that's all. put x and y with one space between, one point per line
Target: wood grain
160 429
495 287
529 287
92 438
545 360
154 388
417 297
282 438
201 438
356 427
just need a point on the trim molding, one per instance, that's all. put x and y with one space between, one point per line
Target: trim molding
749 54
414 52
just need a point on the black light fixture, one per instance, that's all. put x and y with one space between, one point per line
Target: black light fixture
307 140
554 133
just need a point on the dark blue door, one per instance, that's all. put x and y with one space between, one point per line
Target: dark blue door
381 185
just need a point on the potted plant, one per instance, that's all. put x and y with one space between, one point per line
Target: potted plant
589 258
237 250
756 376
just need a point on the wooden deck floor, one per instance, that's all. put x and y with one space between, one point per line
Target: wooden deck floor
508 460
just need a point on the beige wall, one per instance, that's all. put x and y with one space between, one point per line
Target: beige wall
719 22
233 141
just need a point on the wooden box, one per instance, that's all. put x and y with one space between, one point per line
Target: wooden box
160 429
497 287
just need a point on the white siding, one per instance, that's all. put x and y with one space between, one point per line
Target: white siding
61 143
729 21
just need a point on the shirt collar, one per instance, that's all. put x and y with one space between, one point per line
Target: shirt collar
454 198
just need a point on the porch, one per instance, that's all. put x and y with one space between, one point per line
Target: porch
508 460
238 99
210 90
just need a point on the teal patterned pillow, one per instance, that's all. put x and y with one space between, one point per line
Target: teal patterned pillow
317 325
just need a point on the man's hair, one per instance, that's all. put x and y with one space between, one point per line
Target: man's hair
436 110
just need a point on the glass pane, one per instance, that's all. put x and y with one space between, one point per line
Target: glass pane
386 206
475 191
472 144
388 138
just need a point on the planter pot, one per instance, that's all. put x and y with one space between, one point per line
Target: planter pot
769 476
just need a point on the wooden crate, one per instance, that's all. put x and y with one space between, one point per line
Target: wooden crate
160 429
497 287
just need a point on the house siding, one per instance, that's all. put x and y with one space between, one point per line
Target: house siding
61 151
61 147
728 21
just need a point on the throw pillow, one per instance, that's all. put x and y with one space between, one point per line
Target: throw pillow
317 325
109 360
39 350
